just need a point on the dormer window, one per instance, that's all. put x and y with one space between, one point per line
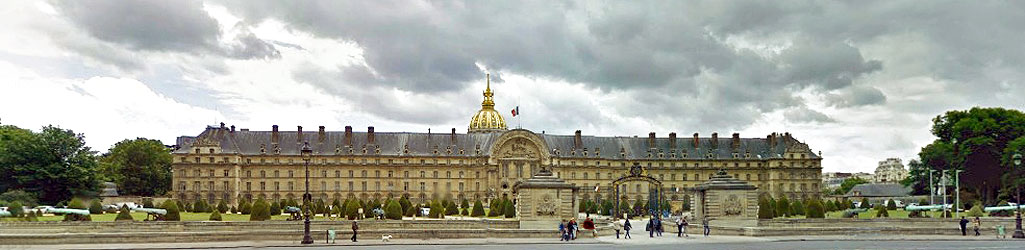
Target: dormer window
263 149
197 150
211 151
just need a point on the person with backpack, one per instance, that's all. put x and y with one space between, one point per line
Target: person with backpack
627 227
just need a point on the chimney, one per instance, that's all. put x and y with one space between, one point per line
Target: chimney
696 142
672 139
299 135
577 142
715 139
321 134
233 128
274 134
453 135
736 140
348 135
370 135
651 140
772 139
222 125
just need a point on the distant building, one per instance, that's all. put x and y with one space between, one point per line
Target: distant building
834 179
877 192
890 170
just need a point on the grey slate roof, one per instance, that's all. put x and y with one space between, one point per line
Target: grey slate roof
423 144
879 190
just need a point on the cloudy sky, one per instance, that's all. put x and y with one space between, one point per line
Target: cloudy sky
859 81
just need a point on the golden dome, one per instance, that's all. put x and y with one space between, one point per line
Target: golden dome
487 119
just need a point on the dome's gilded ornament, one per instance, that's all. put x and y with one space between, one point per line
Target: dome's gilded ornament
487 119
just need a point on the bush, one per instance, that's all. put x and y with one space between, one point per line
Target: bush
510 209
923 202
172 210
864 203
233 210
404 201
181 206
275 209
815 209
917 214
850 214
16 209
891 205
320 207
215 215
199 206
32 216
352 210
495 208
478 209
393 210
881 211
95 207
782 207
244 207
147 202
222 206
451 209
77 204
765 210
976 210
437 210
1004 213
409 212
124 214
260 211
797 208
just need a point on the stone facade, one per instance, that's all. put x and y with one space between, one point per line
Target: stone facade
222 163
544 200
724 197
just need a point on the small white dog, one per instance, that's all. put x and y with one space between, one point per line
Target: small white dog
385 238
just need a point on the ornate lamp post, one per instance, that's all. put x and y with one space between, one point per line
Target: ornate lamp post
306 154
1017 220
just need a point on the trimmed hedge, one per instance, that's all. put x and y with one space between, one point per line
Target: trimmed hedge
393 210
215 215
124 214
510 210
478 209
95 207
260 211
173 213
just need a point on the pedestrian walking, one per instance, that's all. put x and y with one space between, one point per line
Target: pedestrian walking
354 229
627 227
562 230
573 229
964 226
681 224
704 223
658 226
976 225
650 227
617 225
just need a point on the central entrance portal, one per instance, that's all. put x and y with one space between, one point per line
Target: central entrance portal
655 192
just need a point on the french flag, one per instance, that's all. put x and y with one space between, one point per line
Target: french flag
516 111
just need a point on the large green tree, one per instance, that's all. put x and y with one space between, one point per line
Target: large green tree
848 184
979 141
139 167
54 163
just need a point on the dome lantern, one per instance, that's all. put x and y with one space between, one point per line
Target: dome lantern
487 119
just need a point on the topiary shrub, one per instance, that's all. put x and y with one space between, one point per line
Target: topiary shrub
976 210
181 206
1003 213
451 209
765 210
510 209
782 207
16 209
77 203
865 204
215 215
32 216
275 209
234 210
437 210
495 208
393 210
245 207
797 208
478 209
352 210
172 211
891 205
124 214
260 211
147 202
95 207
881 211
815 209
222 206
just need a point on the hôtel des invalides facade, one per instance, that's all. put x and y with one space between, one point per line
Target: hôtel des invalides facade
484 163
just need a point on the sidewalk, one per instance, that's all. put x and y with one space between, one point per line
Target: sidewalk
881 237
340 243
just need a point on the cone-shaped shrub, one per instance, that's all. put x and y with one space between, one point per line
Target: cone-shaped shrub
495 208
436 210
393 210
233 210
222 206
864 203
32 216
260 211
765 210
173 213
478 209
881 211
797 208
782 207
245 207
451 209
275 209
215 215
124 214
891 204
815 209
16 209
976 210
510 210
95 207
352 210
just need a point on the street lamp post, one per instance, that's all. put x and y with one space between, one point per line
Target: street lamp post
932 192
1017 190
306 154
957 192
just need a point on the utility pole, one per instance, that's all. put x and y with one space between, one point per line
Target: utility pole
943 192
932 192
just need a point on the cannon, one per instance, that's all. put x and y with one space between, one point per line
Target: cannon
156 213
999 208
927 207
295 213
5 214
82 212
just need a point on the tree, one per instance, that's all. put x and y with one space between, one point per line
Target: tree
25 198
95 207
510 209
222 206
275 208
797 208
882 212
123 214
976 210
783 207
465 205
815 209
891 204
451 209
244 207
765 209
864 203
260 211
352 210
495 208
848 184
16 209
53 164
198 206
172 210
437 210
478 209
393 210
404 201
215 215
139 167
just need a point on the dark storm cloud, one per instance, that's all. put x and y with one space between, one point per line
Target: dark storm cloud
856 96
805 115
154 25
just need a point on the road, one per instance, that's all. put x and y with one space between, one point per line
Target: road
783 245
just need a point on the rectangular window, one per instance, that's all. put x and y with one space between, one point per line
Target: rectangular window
225 173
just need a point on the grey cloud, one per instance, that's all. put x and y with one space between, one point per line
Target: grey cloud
856 96
165 26
806 115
